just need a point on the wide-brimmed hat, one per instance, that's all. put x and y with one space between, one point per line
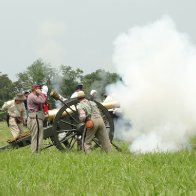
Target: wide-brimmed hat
20 97
80 94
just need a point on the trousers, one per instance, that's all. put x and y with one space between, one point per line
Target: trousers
35 125
15 128
98 131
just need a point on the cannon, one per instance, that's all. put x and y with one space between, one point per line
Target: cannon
63 128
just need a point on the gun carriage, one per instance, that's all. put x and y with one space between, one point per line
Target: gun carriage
64 129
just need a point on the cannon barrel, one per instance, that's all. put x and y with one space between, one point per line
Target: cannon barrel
56 96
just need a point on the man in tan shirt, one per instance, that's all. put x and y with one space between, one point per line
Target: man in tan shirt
88 110
15 109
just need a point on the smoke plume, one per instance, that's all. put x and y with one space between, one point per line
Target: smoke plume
158 67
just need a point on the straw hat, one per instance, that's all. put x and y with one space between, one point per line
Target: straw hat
20 97
80 94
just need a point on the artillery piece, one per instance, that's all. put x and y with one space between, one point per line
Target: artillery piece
63 126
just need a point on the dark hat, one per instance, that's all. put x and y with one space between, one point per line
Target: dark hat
79 87
26 92
20 97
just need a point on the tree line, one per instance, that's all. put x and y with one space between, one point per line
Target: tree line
63 79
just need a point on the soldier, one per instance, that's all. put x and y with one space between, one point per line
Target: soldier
95 127
78 88
35 117
45 105
93 95
15 112
26 93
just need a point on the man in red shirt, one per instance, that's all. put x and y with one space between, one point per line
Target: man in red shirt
36 116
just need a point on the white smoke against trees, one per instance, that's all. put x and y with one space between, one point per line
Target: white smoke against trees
99 84
158 66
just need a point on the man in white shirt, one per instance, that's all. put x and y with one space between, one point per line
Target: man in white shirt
79 87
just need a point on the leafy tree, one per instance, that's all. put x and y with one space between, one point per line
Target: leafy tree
7 91
98 80
70 78
37 73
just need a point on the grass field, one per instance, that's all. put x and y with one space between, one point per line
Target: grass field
119 173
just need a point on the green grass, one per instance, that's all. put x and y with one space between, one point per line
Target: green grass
119 173
5 133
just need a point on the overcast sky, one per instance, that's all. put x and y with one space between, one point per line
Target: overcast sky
78 33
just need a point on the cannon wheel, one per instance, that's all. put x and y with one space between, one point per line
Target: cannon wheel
67 130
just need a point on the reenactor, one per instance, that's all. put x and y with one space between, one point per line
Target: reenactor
79 87
93 95
45 105
94 124
35 102
15 114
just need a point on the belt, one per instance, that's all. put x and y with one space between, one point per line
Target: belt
32 111
14 116
35 118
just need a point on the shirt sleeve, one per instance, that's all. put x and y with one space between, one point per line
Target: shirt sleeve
39 99
5 106
23 109
74 95
82 115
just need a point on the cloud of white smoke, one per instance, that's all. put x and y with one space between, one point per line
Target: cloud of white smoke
158 66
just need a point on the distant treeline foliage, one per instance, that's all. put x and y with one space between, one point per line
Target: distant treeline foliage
63 79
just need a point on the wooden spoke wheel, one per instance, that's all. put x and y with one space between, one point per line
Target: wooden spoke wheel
67 130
